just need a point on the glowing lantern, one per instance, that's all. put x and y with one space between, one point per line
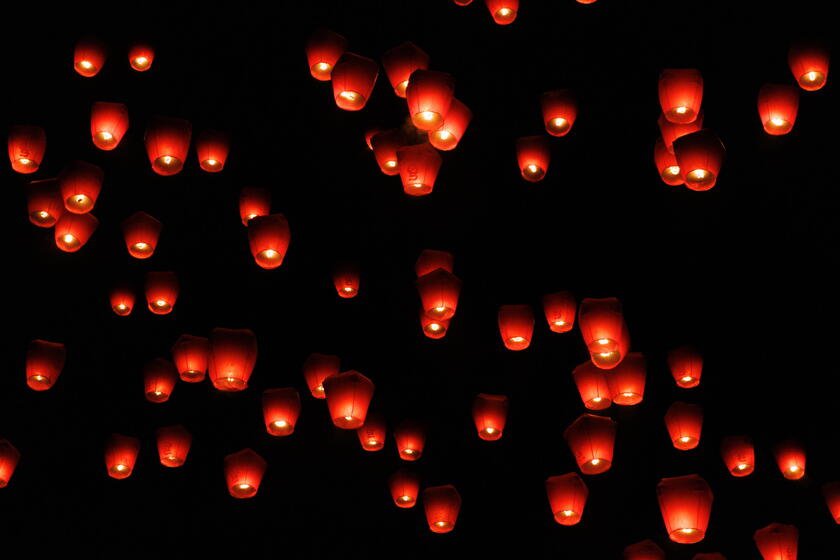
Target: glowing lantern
9 457
348 396
790 456
253 202
738 455
592 385
809 64
244 471
191 355
439 291
212 148
671 131
122 300
830 490
281 408
323 49
666 164
559 110
433 328
141 56
418 168
644 550
454 125
369 134
353 78
410 437
503 11
777 541
533 154
680 94
173 443
159 378
72 231
490 413
269 238
141 233
591 439
161 291
372 433
44 361
626 381
27 145
516 325
700 157
777 107
108 123
400 62
463 2
80 184
686 365
604 331
405 486
88 57
567 495
560 311
429 95
684 422
430 260
385 145
346 280
43 202
686 503
317 368
586 2
233 354
120 455
167 143
442 504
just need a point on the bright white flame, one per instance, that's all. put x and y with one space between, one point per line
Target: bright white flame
777 121
390 164
603 341
121 307
558 122
86 64
349 95
811 76
211 162
158 393
269 253
440 523
405 498
793 468
43 214
141 246
597 399
742 466
532 168
427 115
595 461
443 134
559 323
105 135
141 60
160 302
674 170
69 238
685 439
280 423
244 486
322 66
121 468
347 289
490 430
435 327
687 379
167 159
567 513
504 12
251 216
348 418
627 395
698 174
373 442
517 339
681 110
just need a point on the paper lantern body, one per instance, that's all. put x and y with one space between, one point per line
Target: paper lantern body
686 364
700 157
685 423
429 95
317 368
161 291
790 457
212 149
410 437
560 309
44 362
120 455
453 128
108 123
418 168
626 381
167 143
269 238
604 331
777 541
503 11
533 153
405 487
141 232
27 145
738 455
831 493
430 260
80 184
809 65
671 131
253 202
490 415
281 408
346 280
441 504
9 457
372 433
559 111
141 56
159 378
72 231
244 471
516 326
323 49
591 383
43 202
88 57
348 396
439 291
173 443
567 496
777 108
191 355
122 300
680 94
353 78
592 439
666 164
685 503
400 61
233 355
433 328
385 145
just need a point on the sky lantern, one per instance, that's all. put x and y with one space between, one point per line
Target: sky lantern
348 396
429 95
684 422
560 309
281 408
686 365
419 166
43 202
233 354
439 291
410 437
809 64
346 280
269 238
686 503
372 433
463 2
671 131
108 123
88 57
253 202
777 541
490 414
9 457
161 291
430 260
212 149
790 456
27 145
191 355
141 233
167 143
626 381
400 61
385 145
680 94
777 107
442 504
567 495
159 378
604 331
591 383
405 487
323 49
173 443
433 328
559 110
353 78
122 300
44 362
141 56
80 184
120 455
831 493
244 471
591 439
503 11
666 164
453 128
586 2
533 154
700 157
516 326
318 367
644 550
369 134
738 455
72 231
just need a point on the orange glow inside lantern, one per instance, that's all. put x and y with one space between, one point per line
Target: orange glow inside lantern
385 145
700 157
323 49
27 145
666 164
567 496
233 354
348 396
591 439
191 355
559 111
120 455
372 433
281 408
592 386
681 94
439 291
212 148
441 504
777 541
686 364
738 455
831 493
269 238
809 65
418 168
253 202
346 280
790 457
244 471
167 143
430 260
429 96
173 443
122 301
317 368
353 78
88 57
410 437
72 231
454 125
516 326
685 423
141 232
533 154
141 56
490 415
405 487
9 457
626 381
43 202
777 107
685 503
108 123
560 309
400 61
503 11
80 184
159 378
671 131
44 362
604 331
433 328
161 291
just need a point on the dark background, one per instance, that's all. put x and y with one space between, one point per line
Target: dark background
744 271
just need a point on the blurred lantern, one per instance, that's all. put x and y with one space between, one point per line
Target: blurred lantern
9 457
559 110
418 168
244 471
88 57
429 95
790 456
738 455
490 415
323 49
410 437
405 486
454 125
108 123
626 381
777 107
348 396
316 368
560 311
666 164
212 148
385 145
442 504
809 64
346 280
122 300
44 361
533 154
592 385
586 1
120 455
671 131
430 260
516 325
686 365
777 541
503 11
159 378
463 2
141 56
372 433
72 231
400 62
269 238
700 157
591 439
191 355
684 422
27 145
253 202
233 354
644 550
281 408
604 331
141 233
173 444
369 134
43 202
167 143
686 503
161 291
433 328
439 291
80 184
830 490
680 94
567 495
353 78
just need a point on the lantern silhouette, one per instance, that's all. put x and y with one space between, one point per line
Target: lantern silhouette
533 154
442 504
410 437
666 164
453 128
591 439
490 415
559 111
418 168
167 143
400 62
686 503
317 368
433 328
348 396
405 487
253 202
700 157
592 385
567 495
777 107
122 300
604 331
777 541
516 326
141 56
43 202
353 78
244 471
161 291
120 455
269 238
141 233
323 49
346 280
503 11
212 148
27 145
159 378
430 260
173 443
72 231
108 123
80 184
738 455
9 457
429 95
44 362
686 365
790 456
560 308
831 493
671 131
644 550
809 64
439 291
281 408
626 381
372 433
88 57
385 145
233 354
191 355
680 94
369 134
684 422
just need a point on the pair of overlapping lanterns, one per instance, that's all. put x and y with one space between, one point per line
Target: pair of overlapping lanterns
161 291
89 56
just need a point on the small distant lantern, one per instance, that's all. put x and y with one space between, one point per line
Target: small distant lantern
586 2
122 300
173 443
212 148
604 331
161 291
533 154
159 378
281 408
72 231
439 291
516 326
120 455
671 131
108 123
430 260
400 62
777 541
591 439
738 455
353 78
9 457
626 381
372 433
453 128
503 11
191 355
141 232
559 110
233 354
680 94
369 134
244 471
323 49
644 550
317 368
809 64
686 503
592 385
429 95
88 57
418 168
167 143
348 396
269 238
790 456
44 362
490 415
685 423
410 437
560 308
27 145
43 202
346 280
80 184
777 107
433 328
830 490
442 504
405 487
686 365
666 164
700 157
385 145
567 496
141 56
253 202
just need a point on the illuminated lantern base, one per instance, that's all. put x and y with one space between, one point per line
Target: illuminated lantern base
39 382
211 165
443 140
595 466
160 307
86 68
119 471
269 259
157 396
192 376
427 120
350 100
811 81
417 189
229 384
533 173
167 165
687 535
140 63
777 126
557 126
171 461
280 428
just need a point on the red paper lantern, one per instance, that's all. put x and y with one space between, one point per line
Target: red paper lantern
591 439
141 233
777 541
442 504
80 184
516 325
281 408
560 308
790 456
244 471
680 94
592 385
644 550
433 328
120 455
684 422
9 457
191 355
348 396
161 291
604 331
323 49
503 11
430 260
269 238
405 487
400 62
830 490
122 300
777 107
463 2
559 110
44 361
385 145
108 123
233 354
141 56
43 202
586 1
490 414
626 381
346 280
410 437
167 143
72 231
88 57
372 433
353 78
738 455
369 134
439 291
671 131
567 495
666 164
27 145
533 154
253 202
686 365
429 95
212 148
419 166
317 368
700 157
453 128
686 503
173 444
159 378
809 64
